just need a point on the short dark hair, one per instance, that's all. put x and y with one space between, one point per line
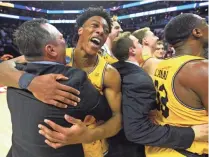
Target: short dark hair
121 46
90 12
31 37
141 33
180 28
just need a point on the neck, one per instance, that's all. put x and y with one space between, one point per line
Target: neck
147 50
82 60
132 59
189 48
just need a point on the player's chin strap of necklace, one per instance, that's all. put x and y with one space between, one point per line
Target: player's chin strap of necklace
87 72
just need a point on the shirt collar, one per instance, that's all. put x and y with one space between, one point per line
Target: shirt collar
132 62
46 62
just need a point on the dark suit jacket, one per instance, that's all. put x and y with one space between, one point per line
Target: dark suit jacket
138 98
27 112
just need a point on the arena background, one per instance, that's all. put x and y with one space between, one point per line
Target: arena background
132 15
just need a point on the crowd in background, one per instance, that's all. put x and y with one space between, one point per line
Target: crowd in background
155 22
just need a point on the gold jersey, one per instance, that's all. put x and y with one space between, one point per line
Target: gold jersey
100 147
106 56
171 110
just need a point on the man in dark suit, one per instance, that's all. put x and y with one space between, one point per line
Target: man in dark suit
43 47
138 99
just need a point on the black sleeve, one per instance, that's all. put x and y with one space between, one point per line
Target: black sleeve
138 100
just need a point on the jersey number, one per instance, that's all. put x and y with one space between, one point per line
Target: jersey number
162 101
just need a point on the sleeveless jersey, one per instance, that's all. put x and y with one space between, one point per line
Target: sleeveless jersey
171 110
106 56
100 147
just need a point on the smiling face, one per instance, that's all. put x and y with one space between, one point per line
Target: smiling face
93 34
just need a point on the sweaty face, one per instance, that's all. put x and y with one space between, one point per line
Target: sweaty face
116 30
93 34
159 52
58 45
151 39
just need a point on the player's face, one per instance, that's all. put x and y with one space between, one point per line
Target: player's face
93 34
116 30
151 39
58 46
202 28
159 52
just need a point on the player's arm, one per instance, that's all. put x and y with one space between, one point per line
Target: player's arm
197 80
45 87
112 91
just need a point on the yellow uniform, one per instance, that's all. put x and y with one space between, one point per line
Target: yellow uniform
171 110
106 56
100 147
145 57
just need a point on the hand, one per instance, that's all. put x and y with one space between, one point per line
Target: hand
201 132
6 57
62 136
46 89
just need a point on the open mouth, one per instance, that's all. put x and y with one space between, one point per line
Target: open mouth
95 41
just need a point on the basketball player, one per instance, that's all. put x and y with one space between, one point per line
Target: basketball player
148 41
159 51
182 82
106 50
94 27
137 123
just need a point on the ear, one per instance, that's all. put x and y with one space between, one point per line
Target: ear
197 33
144 41
50 51
80 30
132 51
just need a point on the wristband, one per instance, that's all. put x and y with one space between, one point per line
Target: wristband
25 80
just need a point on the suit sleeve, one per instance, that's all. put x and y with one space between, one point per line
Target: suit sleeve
138 99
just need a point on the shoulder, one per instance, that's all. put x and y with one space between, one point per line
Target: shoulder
111 76
74 73
192 72
138 80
